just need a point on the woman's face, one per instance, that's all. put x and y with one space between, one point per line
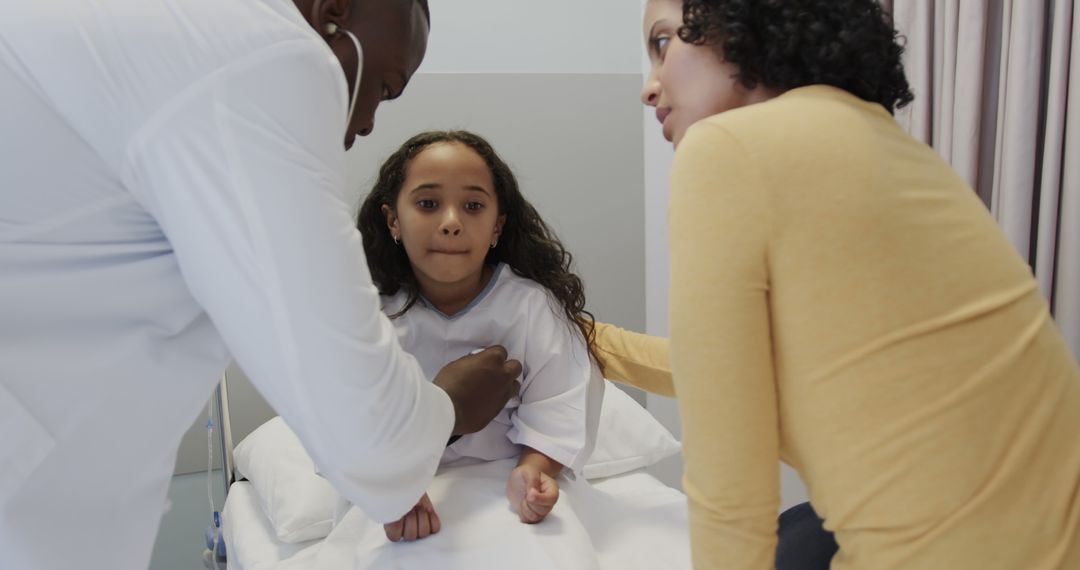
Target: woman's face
686 83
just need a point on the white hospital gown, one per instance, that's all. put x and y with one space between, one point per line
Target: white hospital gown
558 407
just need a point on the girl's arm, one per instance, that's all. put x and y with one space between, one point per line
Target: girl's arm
636 359
533 458
532 489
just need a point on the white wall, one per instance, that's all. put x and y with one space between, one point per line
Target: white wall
658 156
549 36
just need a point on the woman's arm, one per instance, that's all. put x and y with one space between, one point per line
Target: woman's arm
722 350
636 359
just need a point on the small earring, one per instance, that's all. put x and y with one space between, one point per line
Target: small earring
397 240
494 244
331 28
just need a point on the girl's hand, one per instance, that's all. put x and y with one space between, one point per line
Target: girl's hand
532 493
418 523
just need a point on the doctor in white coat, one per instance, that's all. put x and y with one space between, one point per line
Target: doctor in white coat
172 193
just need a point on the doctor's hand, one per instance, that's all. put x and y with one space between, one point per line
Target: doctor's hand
479 385
420 522
532 493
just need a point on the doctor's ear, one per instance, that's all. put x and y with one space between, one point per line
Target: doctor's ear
329 16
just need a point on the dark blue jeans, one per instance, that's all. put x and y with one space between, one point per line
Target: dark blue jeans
804 544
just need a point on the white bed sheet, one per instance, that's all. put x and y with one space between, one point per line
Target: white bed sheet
627 522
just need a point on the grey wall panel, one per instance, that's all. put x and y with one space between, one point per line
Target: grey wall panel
248 410
576 144
192 454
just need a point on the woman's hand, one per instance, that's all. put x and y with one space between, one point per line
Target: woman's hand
532 493
420 522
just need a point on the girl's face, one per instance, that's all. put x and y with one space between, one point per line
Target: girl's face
687 82
446 215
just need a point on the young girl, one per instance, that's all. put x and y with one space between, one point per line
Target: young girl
465 262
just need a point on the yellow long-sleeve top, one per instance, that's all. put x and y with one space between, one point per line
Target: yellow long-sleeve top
844 302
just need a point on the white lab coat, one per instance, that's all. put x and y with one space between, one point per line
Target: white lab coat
558 409
172 191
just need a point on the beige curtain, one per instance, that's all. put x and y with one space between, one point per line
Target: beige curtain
997 94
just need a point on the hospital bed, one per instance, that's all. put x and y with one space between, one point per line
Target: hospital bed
280 515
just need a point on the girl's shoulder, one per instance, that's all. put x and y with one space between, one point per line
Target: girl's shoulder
510 286
540 318
526 296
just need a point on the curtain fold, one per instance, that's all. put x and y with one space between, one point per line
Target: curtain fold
997 94
1020 101
1058 260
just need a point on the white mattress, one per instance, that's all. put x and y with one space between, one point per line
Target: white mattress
627 522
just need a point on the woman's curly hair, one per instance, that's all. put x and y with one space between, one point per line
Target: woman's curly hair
526 243
784 44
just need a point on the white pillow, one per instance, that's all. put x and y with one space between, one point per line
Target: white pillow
628 438
301 505
298 502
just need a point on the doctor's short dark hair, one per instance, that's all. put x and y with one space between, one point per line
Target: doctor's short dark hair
427 12
784 44
526 244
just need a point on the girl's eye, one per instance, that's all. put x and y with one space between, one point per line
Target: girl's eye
426 204
473 206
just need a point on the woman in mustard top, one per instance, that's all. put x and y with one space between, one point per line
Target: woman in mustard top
842 301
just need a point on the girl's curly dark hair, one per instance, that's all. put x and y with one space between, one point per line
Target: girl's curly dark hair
526 243
784 44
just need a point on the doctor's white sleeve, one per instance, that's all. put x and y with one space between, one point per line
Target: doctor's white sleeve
244 173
